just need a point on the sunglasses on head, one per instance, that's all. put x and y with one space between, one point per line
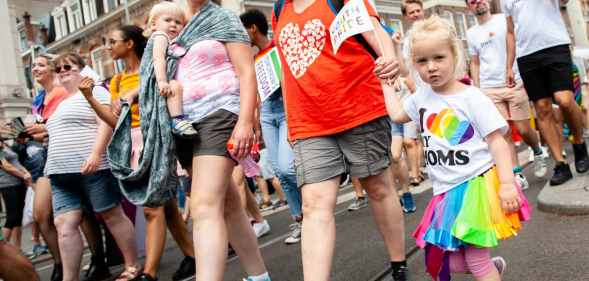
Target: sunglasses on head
63 68
473 2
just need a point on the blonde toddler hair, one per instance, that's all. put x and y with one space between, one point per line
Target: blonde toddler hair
162 8
435 27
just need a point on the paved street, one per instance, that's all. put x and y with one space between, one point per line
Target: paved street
550 247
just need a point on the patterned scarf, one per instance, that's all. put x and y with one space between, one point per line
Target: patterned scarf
154 181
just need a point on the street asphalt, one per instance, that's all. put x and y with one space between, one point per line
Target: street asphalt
550 247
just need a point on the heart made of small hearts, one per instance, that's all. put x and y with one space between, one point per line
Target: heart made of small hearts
302 48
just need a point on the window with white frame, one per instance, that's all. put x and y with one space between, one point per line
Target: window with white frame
102 62
472 21
460 24
110 5
61 26
24 41
447 15
90 12
74 11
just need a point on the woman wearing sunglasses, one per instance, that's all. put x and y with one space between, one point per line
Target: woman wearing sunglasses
79 171
43 106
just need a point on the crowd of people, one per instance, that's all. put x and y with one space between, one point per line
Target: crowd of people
184 113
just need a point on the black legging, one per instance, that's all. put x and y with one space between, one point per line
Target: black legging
14 200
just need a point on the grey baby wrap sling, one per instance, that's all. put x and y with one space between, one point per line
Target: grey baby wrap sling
154 181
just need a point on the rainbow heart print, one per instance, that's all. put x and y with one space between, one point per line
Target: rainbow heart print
446 125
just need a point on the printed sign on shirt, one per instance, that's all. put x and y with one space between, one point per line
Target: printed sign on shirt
268 73
351 20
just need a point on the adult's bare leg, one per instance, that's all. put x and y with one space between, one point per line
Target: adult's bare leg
318 231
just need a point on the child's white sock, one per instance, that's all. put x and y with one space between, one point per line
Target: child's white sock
262 277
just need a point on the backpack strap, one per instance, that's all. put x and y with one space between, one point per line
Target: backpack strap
278 8
338 5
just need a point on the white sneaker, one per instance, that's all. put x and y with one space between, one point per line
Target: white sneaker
544 153
540 166
345 181
585 134
359 203
261 228
500 264
521 181
295 235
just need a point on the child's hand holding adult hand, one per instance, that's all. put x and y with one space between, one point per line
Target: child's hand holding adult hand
510 201
387 69
165 89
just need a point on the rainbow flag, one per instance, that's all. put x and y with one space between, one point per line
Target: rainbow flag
268 73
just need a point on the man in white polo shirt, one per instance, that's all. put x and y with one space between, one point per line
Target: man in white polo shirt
537 34
487 47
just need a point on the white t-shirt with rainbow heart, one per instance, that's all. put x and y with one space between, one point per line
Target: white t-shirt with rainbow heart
454 128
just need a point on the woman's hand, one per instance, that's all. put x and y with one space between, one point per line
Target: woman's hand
387 69
243 138
27 178
35 129
86 87
116 107
510 201
91 164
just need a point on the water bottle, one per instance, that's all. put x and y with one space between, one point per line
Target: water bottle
249 165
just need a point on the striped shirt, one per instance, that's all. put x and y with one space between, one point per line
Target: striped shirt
73 129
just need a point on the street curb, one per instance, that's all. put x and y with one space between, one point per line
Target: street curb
569 199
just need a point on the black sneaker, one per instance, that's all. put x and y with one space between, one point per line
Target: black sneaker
97 271
562 173
57 274
401 274
187 269
581 157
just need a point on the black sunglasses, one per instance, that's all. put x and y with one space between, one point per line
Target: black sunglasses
65 67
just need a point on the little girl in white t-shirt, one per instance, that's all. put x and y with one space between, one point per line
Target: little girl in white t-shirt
476 201
166 20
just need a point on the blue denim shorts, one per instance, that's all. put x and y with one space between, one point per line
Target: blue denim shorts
74 191
408 130
36 164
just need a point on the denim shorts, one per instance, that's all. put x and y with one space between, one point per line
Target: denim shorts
74 191
408 130
36 164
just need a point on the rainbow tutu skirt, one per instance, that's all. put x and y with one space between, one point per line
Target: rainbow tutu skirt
469 214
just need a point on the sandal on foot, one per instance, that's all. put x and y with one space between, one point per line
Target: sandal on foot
130 273
414 181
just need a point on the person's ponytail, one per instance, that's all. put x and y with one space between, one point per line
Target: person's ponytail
135 34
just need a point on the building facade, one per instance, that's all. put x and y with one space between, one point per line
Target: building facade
58 26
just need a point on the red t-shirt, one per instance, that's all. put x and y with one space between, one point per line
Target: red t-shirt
324 93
